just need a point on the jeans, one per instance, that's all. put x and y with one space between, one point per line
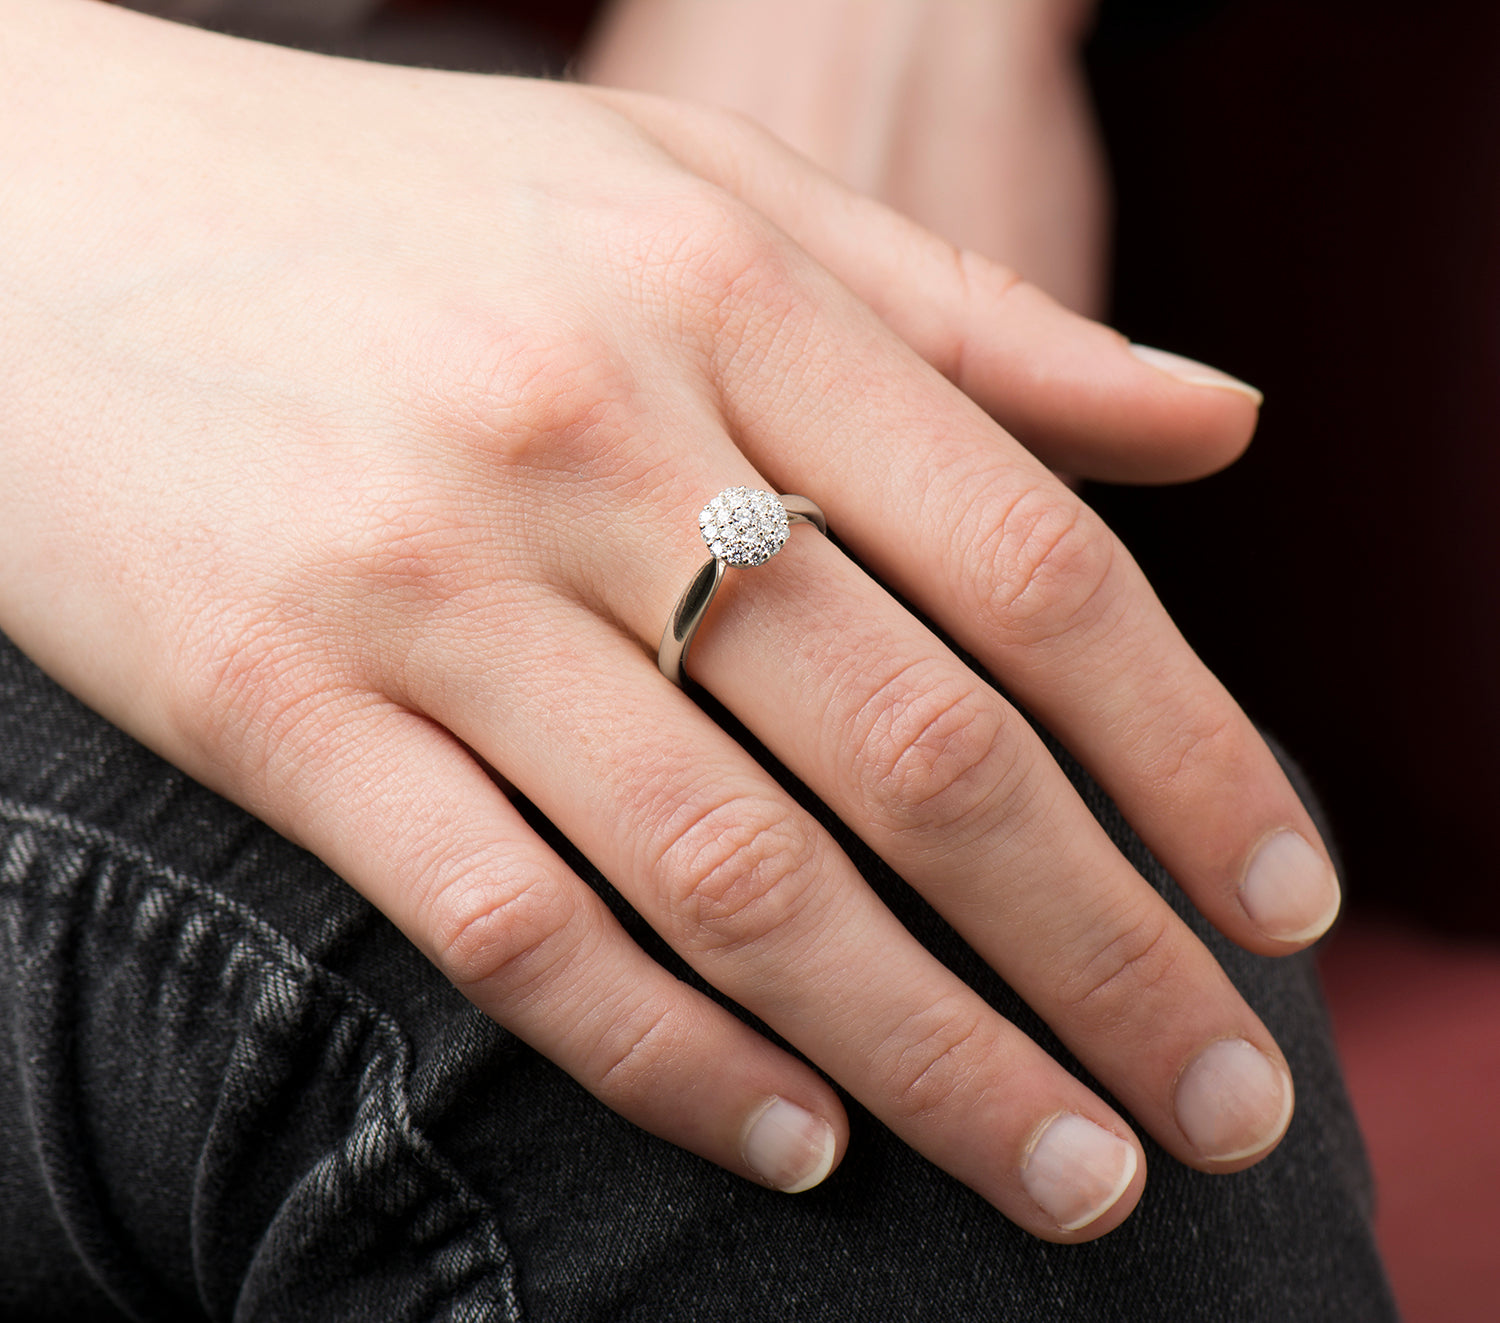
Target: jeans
231 1090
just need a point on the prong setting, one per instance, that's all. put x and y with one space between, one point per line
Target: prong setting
744 526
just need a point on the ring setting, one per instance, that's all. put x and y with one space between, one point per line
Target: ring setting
744 526
741 526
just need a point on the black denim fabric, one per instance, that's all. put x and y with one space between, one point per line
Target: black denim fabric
230 1090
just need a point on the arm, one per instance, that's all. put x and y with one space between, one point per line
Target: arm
973 119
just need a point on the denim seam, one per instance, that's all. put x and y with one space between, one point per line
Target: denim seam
491 1239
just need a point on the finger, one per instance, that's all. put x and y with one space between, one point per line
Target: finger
953 788
458 870
941 506
939 774
1076 393
761 902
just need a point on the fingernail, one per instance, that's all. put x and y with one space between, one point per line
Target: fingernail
1194 373
1233 1100
1290 891
1077 1171
788 1147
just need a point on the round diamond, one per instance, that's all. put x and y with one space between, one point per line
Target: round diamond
743 526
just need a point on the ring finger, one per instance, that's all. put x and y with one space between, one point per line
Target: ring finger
762 903
942 777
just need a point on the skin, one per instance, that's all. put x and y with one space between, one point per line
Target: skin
968 116
357 421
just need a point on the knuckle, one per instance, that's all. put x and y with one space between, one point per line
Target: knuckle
935 758
934 1059
632 1056
522 391
736 874
979 287
1124 974
251 689
721 274
410 553
1206 742
497 929
1051 561
701 241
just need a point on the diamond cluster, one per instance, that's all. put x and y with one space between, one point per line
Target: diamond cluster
744 526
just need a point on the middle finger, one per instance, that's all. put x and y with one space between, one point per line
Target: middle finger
932 767
758 899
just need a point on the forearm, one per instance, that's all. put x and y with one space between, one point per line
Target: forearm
827 76
971 117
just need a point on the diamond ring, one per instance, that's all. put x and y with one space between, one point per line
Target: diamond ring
740 526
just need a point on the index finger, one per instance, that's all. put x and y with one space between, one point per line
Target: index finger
956 517
1079 395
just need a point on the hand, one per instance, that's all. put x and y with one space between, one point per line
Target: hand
357 421
971 118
